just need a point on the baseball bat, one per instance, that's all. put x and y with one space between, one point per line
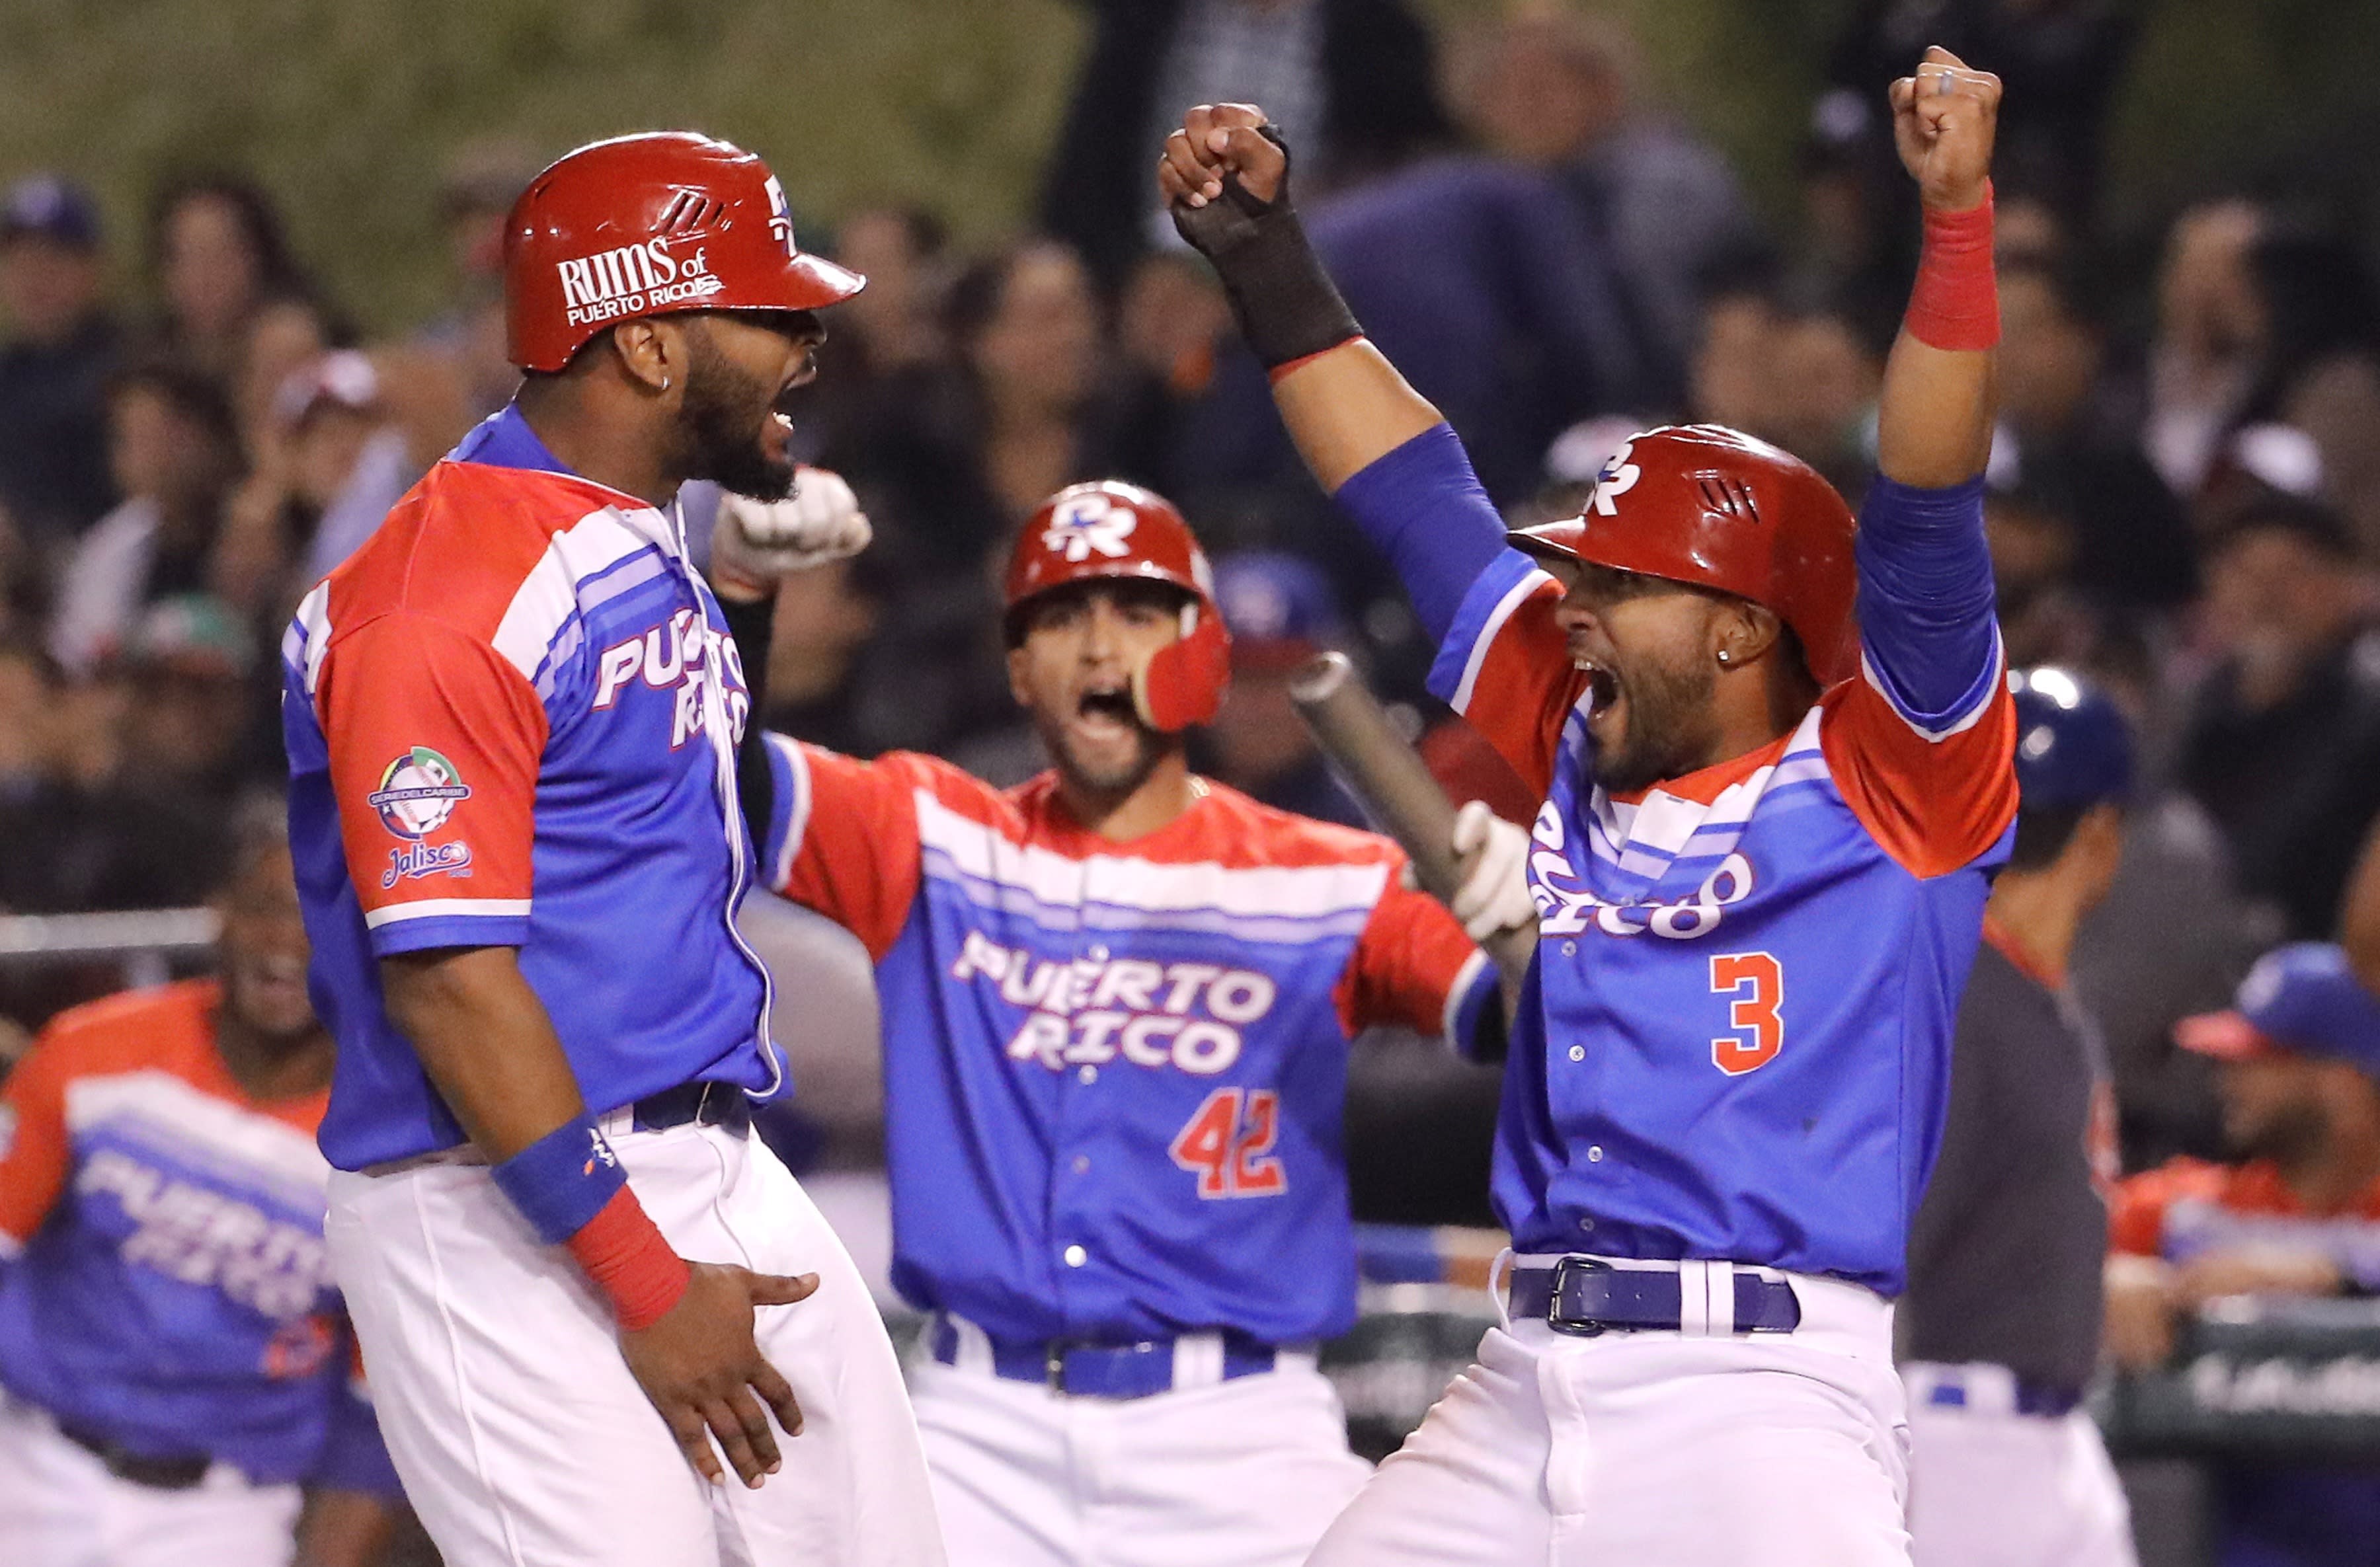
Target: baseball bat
1388 776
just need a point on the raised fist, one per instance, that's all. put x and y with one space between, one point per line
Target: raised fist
1218 140
1943 120
755 542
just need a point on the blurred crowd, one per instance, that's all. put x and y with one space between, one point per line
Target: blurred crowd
2184 489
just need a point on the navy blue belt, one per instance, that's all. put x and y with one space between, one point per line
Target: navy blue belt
701 1104
1099 1370
181 1473
1585 1296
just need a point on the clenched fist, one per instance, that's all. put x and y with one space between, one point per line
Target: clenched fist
1943 121
755 542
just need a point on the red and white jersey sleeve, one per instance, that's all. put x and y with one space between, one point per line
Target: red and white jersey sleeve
1505 666
435 740
1935 799
842 837
34 1149
1413 968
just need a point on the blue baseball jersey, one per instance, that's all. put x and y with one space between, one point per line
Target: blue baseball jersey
1734 1041
1115 1073
164 1285
512 721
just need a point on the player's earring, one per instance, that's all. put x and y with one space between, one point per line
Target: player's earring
1725 657
664 383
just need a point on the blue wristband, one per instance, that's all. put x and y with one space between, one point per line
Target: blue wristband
562 1179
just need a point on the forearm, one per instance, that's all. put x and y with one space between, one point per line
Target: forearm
1346 408
1934 422
344 1528
487 1044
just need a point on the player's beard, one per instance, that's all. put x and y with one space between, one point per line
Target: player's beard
1104 777
720 426
1666 732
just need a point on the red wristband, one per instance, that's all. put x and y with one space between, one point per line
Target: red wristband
623 1251
1956 303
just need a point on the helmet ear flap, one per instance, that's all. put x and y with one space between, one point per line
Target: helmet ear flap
1183 683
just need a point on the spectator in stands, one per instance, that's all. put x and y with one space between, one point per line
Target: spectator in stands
220 254
54 363
176 1360
329 468
2282 745
1281 614
2318 370
1563 92
1351 82
2300 1216
1822 376
2066 432
480 183
2204 362
903 252
198 725
174 450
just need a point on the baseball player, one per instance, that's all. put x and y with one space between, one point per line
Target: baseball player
175 1363
1759 874
2000 1324
1117 1001
512 719
2300 1215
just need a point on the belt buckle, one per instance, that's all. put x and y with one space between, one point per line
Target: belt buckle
1581 1327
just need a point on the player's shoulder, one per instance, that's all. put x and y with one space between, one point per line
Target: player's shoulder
156 1026
1249 832
460 547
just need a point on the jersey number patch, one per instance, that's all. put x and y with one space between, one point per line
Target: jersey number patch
1756 980
1227 1144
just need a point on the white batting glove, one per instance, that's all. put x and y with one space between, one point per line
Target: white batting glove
755 542
1494 854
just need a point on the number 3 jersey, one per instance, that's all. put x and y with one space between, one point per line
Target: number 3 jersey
1114 1072
1734 1042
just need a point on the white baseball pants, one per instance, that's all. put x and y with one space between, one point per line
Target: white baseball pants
521 1436
1246 1473
1991 1487
1783 1449
59 1507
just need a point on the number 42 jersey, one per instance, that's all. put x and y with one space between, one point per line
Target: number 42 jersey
1115 1073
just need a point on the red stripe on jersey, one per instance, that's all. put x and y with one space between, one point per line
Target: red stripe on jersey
1405 965
858 860
1934 805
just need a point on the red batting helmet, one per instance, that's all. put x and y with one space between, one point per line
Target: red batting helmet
640 225
1713 508
1088 532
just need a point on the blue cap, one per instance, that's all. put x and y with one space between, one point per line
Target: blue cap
2073 747
2299 999
52 207
1274 604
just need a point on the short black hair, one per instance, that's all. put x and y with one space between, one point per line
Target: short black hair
2042 834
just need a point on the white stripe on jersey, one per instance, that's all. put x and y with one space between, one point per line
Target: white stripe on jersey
1974 714
1458 993
183 1122
1266 892
548 597
314 614
1489 632
436 907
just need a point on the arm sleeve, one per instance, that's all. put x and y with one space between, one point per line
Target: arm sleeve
1922 742
1423 509
1413 968
2136 1214
34 1152
842 839
435 742
1505 666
